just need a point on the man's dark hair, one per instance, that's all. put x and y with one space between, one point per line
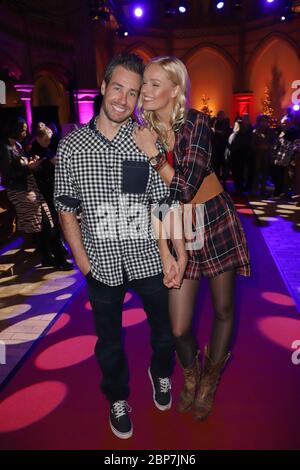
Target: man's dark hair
131 62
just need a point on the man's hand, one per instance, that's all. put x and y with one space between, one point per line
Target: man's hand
72 232
181 263
170 270
174 270
85 268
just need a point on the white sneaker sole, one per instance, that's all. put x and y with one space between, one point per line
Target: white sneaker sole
121 435
160 407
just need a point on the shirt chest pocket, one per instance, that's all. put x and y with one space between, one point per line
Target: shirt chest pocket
135 176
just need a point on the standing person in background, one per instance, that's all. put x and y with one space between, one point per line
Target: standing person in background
220 134
33 214
262 142
55 137
186 168
249 161
44 174
239 145
284 153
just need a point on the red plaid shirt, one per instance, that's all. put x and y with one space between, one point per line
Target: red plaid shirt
191 157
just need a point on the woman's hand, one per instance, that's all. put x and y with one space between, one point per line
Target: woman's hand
172 272
145 140
181 263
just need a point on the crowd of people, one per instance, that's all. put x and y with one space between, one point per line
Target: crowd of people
263 159
27 168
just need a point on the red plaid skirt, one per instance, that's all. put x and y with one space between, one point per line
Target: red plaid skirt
224 247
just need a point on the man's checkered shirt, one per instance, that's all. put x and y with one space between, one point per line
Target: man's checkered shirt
115 225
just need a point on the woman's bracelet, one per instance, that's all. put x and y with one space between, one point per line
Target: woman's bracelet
158 161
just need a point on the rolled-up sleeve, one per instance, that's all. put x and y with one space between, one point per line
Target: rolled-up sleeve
192 170
66 194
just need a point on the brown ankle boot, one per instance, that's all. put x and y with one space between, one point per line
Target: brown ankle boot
190 387
208 385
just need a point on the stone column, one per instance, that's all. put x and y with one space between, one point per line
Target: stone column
25 92
243 104
84 101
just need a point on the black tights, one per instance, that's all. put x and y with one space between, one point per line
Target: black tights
182 306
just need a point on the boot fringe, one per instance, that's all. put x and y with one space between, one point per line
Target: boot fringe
191 383
209 381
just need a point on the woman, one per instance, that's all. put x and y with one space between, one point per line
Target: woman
239 145
33 215
262 141
185 166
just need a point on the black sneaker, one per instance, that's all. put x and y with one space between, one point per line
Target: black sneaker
161 391
119 420
47 261
63 265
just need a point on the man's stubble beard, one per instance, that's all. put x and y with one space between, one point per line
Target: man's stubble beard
116 121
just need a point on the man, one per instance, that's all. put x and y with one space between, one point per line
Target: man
101 170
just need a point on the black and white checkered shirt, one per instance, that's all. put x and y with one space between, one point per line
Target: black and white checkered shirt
113 185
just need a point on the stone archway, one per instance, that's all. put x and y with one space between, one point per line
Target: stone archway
145 52
49 90
212 74
274 64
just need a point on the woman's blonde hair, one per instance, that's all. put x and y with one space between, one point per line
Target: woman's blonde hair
177 73
43 130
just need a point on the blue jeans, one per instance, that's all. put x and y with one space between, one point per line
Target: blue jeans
107 305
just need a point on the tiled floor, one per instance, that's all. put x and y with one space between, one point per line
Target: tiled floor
30 300
279 222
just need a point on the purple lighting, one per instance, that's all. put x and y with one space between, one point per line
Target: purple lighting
138 12
85 103
270 1
25 92
220 5
296 107
182 9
